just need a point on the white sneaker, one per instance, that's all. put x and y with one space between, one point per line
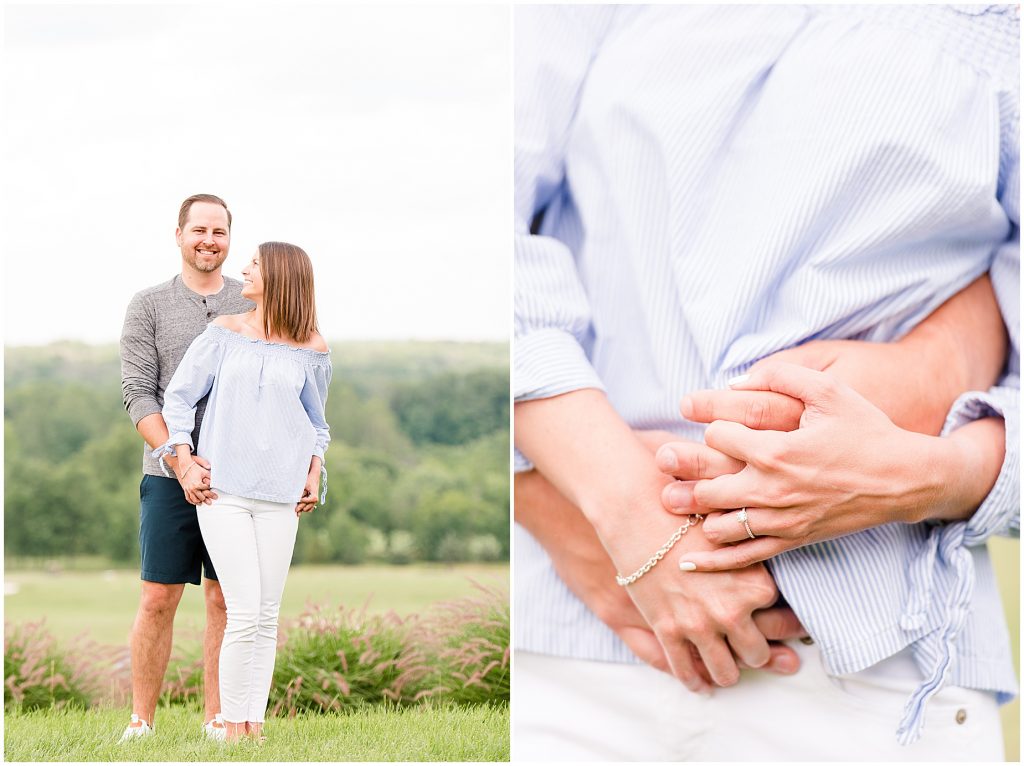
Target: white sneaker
137 728
214 729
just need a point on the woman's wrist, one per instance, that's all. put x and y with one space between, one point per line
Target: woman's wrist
183 460
633 525
627 501
184 472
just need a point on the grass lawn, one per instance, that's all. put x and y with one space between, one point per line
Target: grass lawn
1006 557
449 733
103 603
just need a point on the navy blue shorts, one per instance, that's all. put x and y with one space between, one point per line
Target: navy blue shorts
169 537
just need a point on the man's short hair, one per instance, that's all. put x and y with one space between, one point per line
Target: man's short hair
187 205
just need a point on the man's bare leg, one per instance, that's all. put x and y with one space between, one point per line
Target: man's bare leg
216 621
152 636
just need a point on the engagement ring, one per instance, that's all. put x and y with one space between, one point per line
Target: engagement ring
742 519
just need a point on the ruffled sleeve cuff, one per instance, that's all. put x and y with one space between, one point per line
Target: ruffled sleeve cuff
521 463
999 513
169 448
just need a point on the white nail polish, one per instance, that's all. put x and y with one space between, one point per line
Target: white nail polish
687 566
739 379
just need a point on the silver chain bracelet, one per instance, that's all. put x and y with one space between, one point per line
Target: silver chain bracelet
660 553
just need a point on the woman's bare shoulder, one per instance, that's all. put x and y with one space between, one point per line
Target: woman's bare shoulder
316 342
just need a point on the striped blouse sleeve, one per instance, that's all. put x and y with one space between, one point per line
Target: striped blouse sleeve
190 383
314 401
999 514
552 315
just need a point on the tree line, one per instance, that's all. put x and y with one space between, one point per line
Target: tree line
418 462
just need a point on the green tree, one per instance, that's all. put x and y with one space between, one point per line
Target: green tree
453 408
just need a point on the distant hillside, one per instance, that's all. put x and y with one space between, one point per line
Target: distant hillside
367 364
418 457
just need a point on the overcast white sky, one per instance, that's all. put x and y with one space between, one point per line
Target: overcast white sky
377 138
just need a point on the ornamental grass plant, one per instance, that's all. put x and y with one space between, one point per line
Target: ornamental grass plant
335 660
328 661
39 674
460 651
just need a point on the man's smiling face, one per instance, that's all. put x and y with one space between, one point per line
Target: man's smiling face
205 238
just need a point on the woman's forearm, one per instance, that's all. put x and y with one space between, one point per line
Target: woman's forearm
592 456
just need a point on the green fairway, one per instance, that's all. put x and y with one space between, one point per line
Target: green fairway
103 603
449 733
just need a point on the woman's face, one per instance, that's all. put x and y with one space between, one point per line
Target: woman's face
252 285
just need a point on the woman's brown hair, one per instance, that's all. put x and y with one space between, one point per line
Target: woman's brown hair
289 303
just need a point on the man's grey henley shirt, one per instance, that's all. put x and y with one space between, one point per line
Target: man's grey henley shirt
159 326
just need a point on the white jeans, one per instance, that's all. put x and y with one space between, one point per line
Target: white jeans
250 543
578 710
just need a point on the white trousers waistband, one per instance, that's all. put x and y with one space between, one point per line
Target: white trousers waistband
578 710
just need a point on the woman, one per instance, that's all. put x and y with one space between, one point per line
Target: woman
267 374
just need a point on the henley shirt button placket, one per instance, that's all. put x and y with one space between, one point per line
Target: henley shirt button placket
961 715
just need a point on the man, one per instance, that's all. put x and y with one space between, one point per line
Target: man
160 324
696 189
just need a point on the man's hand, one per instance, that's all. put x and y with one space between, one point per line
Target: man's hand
310 492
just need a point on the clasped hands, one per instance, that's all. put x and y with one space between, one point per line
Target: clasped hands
811 459
193 473
810 456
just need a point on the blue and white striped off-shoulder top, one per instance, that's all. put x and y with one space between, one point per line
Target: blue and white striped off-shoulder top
265 416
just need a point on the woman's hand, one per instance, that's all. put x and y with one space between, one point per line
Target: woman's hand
580 444
311 491
705 623
584 566
194 476
846 468
710 612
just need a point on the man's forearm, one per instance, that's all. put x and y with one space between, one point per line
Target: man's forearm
970 462
964 338
153 430
557 524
